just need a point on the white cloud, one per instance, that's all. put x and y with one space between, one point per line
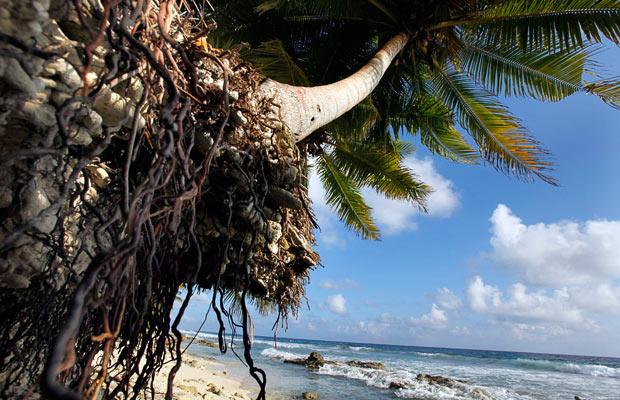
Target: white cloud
339 285
395 216
558 254
436 318
571 270
447 300
524 304
337 304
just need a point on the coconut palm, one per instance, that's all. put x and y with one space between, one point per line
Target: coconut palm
381 68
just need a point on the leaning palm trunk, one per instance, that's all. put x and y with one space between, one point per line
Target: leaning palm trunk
305 109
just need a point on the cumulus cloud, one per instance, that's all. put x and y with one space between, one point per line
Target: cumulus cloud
521 303
337 304
447 300
395 216
339 284
557 254
436 318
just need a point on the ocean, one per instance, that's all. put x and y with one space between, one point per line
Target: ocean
476 374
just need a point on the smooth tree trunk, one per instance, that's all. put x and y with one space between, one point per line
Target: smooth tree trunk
305 109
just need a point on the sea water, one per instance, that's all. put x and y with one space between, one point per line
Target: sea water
485 374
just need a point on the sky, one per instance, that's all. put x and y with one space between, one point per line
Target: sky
497 263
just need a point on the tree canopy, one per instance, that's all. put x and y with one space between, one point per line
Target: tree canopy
461 59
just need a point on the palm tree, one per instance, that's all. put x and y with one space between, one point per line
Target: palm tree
384 67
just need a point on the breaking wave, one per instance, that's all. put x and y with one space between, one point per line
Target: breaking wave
573 368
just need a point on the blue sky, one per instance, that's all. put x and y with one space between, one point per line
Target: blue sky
497 264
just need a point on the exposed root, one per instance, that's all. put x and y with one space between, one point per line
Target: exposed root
138 163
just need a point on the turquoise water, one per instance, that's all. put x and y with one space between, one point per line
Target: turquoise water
488 374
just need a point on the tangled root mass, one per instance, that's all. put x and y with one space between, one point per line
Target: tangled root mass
138 164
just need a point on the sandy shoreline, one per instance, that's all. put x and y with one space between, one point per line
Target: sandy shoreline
201 378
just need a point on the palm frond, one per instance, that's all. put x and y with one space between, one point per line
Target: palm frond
343 195
608 90
539 74
551 24
272 59
381 169
503 142
357 122
434 122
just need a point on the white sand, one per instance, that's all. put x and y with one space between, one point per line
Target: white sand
200 378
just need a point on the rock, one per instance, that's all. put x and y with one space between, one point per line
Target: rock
298 361
207 343
397 385
366 364
15 76
36 205
480 394
38 114
214 389
274 234
315 360
188 389
6 197
116 110
435 380
310 396
283 198
239 118
14 281
233 95
98 175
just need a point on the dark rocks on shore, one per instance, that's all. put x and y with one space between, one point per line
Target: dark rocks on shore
366 364
310 396
397 385
315 360
438 380
208 343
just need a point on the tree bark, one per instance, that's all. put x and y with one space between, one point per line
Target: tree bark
306 109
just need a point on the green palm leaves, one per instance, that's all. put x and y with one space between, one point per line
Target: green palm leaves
462 55
547 24
347 167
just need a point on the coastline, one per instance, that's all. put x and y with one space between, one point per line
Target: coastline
201 377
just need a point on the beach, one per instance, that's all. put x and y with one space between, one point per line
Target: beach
371 371
201 378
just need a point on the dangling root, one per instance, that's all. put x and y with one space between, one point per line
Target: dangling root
141 165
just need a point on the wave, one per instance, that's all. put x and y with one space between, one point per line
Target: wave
569 367
412 388
359 348
280 354
433 355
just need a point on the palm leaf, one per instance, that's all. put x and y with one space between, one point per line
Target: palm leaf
608 90
538 74
343 195
503 142
550 24
434 122
382 170
272 59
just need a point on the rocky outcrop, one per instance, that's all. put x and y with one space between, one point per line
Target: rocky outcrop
310 396
397 385
315 360
366 364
